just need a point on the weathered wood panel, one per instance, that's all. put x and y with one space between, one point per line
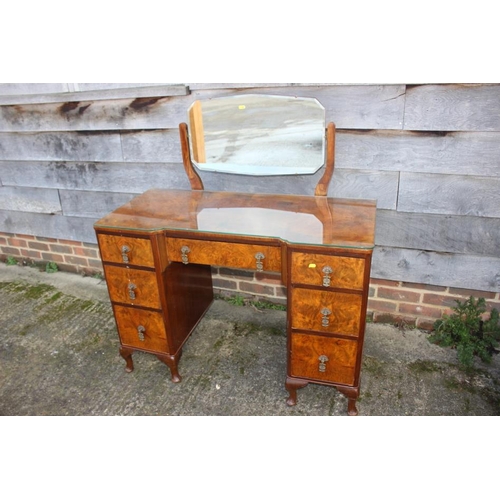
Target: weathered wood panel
91 95
93 204
357 107
49 226
152 146
439 233
427 152
27 199
454 270
97 176
120 114
449 194
75 146
15 89
453 107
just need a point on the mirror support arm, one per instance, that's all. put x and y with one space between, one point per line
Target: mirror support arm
194 178
322 186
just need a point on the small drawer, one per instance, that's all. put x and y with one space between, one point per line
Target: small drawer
323 358
329 271
327 312
126 250
217 253
132 286
141 329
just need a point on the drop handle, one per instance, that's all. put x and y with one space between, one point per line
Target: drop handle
131 290
125 251
140 332
259 257
323 359
327 270
325 320
184 254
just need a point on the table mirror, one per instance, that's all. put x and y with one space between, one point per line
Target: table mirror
257 135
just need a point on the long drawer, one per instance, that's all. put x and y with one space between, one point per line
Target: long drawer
217 253
329 271
141 328
132 286
323 358
326 312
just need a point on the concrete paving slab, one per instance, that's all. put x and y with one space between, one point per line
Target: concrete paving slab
59 356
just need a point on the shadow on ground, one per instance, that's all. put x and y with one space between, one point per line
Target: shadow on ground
59 356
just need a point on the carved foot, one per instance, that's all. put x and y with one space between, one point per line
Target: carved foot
172 362
126 354
291 386
352 394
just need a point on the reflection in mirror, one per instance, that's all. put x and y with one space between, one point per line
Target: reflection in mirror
292 226
258 135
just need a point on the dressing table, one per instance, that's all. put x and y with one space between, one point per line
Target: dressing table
158 249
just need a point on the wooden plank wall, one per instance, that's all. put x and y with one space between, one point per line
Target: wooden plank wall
430 155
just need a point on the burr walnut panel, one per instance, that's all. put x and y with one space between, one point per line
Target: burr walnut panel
141 329
126 250
328 312
323 358
132 286
330 271
238 255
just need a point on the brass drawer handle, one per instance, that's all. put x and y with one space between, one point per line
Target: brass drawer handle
131 287
325 312
184 251
125 251
140 332
327 270
322 363
259 256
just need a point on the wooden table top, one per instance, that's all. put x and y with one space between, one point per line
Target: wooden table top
309 220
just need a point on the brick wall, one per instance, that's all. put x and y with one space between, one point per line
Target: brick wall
404 304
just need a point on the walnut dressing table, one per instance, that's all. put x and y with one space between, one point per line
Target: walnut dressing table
158 249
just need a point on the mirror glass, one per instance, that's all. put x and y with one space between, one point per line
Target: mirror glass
257 135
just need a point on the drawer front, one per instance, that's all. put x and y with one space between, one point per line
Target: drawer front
132 286
217 253
328 270
141 329
126 250
323 358
327 312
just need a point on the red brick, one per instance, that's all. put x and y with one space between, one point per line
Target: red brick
70 242
36 245
55 247
418 310
10 251
399 294
3 241
376 281
475 293
85 252
381 305
423 286
394 319
256 289
271 278
32 254
17 242
221 283
439 300
52 257
47 240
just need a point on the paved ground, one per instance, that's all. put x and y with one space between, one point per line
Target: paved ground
59 356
